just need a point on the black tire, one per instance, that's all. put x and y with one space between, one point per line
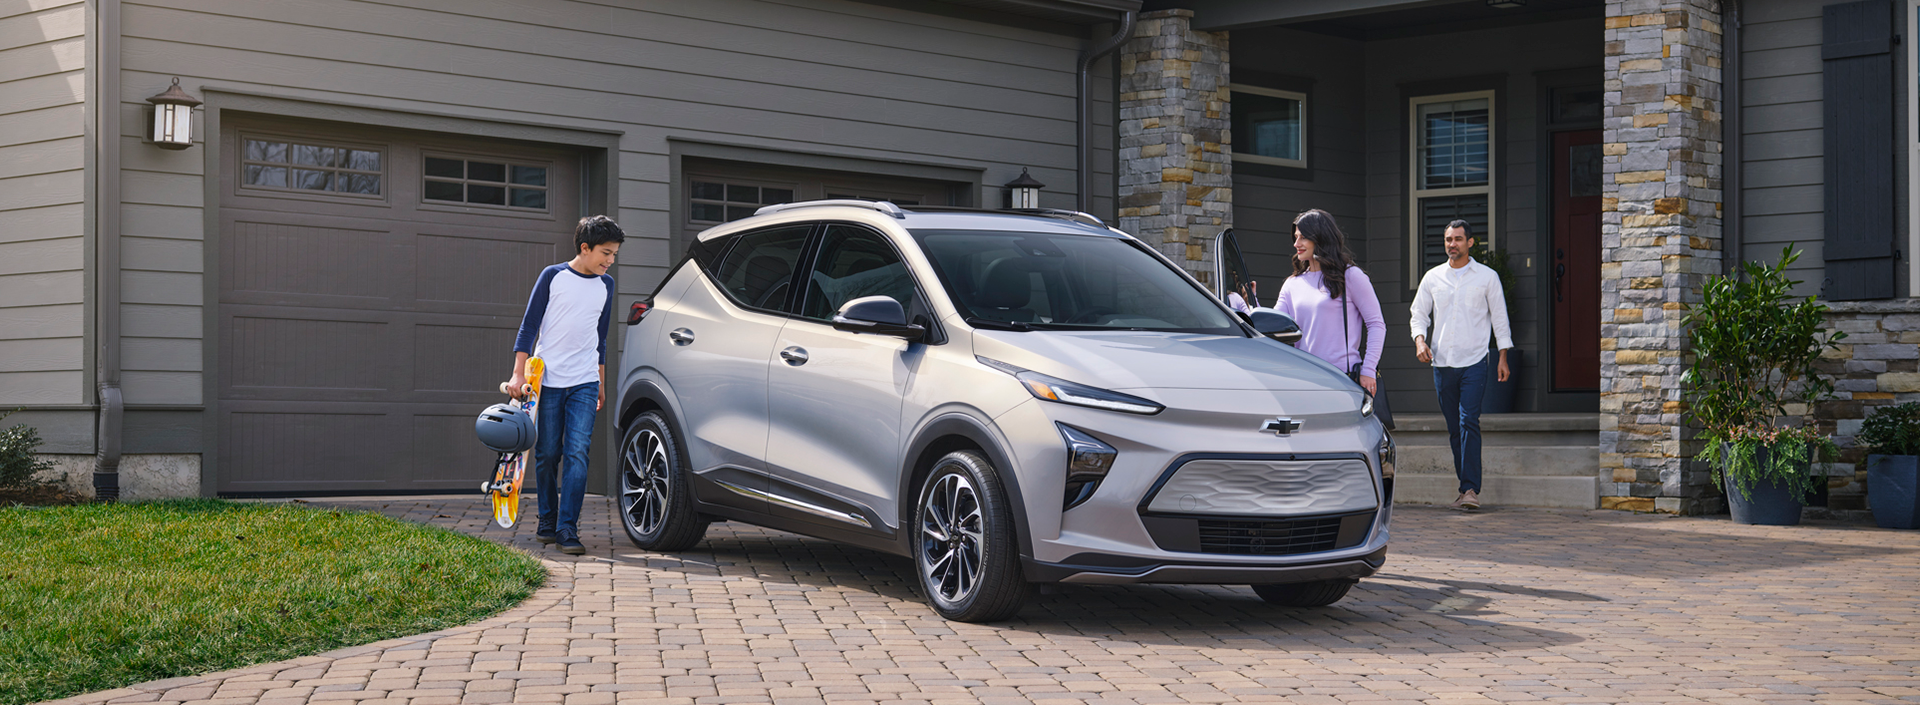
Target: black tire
975 576
1319 593
656 506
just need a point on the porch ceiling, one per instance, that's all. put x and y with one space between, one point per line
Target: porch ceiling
1375 19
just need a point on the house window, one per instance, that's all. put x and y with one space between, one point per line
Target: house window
272 163
1269 126
485 182
713 201
1452 172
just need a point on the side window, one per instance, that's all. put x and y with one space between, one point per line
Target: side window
853 263
758 270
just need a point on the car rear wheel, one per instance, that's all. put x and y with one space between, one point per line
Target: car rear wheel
1319 593
964 542
656 507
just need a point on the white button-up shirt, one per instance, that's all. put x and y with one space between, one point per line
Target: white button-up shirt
1456 311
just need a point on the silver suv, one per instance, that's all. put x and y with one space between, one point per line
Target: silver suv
1005 397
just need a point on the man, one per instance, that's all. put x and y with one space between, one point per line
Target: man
566 326
1460 304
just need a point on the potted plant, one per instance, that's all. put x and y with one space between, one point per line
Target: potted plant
1892 439
1754 349
1499 396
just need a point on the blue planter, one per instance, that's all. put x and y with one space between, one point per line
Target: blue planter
1893 485
1772 503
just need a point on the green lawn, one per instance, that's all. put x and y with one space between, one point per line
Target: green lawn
94 597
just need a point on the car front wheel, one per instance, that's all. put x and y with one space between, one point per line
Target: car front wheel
656 507
1319 593
964 542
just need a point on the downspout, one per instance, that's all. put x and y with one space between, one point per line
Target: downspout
106 97
1083 176
1733 246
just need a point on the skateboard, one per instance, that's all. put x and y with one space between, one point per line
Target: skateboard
510 472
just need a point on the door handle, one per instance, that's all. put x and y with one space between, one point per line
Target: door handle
794 355
680 336
1559 289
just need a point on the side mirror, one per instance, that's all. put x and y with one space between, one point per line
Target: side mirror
877 315
1278 326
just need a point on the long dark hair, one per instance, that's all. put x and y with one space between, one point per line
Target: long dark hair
1329 249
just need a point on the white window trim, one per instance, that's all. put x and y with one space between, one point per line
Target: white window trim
1300 163
1415 193
1913 152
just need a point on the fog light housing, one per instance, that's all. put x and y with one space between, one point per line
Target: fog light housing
1088 461
1389 456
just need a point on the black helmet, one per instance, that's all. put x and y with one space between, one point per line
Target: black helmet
505 428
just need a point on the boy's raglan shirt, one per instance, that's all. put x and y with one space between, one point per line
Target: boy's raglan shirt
566 325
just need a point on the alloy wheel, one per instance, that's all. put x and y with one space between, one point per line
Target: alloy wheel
645 468
950 538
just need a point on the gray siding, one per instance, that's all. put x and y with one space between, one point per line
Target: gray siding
826 76
1781 141
1264 206
42 200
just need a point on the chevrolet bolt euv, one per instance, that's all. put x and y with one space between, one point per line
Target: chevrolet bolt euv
1006 398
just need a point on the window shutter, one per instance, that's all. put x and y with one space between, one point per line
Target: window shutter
1859 153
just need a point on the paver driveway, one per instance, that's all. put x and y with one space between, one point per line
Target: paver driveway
1511 606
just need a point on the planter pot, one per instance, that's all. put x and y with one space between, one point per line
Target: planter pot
1772 504
1893 486
1499 398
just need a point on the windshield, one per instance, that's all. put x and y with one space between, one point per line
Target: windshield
1067 282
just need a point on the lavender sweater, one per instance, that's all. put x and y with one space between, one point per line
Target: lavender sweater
1304 297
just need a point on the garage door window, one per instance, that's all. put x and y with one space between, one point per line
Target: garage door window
271 163
486 182
720 202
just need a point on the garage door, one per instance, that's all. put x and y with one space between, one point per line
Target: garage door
370 286
720 191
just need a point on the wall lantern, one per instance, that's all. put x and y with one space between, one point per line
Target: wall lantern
1024 192
173 118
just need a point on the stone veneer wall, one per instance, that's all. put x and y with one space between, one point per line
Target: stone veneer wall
1660 233
1176 177
1877 365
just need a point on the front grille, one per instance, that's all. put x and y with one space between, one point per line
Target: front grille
1269 538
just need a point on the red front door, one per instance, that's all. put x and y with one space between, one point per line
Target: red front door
1575 260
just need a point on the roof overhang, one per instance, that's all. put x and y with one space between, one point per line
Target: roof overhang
1216 15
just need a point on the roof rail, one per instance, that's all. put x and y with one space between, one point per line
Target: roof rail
886 207
1061 213
1081 216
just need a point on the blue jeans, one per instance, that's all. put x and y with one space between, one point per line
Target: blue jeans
566 432
1462 390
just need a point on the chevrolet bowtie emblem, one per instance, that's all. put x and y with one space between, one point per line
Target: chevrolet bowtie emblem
1281 426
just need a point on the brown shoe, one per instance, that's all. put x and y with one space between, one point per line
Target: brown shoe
1457 501
1469 501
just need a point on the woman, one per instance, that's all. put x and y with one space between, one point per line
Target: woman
1333 300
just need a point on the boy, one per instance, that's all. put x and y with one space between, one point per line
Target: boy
566 326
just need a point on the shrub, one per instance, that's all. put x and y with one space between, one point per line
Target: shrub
1892 430
1754 352
18 464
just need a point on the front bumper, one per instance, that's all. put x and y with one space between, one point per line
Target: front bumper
1221 526
1099 569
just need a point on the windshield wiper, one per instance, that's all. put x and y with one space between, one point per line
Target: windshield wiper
999 325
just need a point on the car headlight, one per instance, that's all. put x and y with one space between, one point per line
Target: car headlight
1060 390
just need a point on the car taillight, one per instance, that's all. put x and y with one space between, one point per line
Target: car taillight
636 313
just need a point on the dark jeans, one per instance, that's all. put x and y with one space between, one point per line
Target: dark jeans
1462 389
566 431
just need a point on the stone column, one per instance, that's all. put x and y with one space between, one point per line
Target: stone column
1660 240
1176 181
